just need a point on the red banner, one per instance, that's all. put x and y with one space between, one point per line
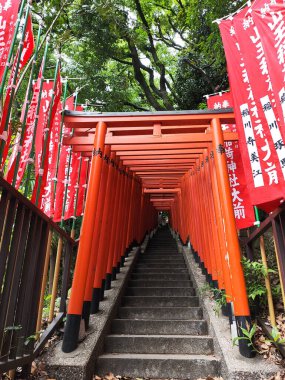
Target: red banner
265 180
26 54
243 209
266 106
8 17
72 185
28 136
85 167
48 194
63 169
42 119
44 164
269 35
61 182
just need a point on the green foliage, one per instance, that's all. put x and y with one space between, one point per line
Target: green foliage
248 335
255 272
46 306
276 337
140 54
220 298
217 295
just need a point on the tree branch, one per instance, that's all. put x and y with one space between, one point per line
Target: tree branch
121 61
135 106
140 77
202 71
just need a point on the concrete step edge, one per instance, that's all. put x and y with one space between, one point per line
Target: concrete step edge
173 357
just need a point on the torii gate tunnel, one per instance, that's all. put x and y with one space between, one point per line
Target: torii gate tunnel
143 163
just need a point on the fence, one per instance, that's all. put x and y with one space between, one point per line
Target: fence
26 241
256 249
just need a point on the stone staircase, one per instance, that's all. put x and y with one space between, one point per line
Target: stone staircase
159 331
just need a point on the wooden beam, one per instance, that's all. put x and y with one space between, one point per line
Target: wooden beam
75 119
160 157
161 152
161 191
159 162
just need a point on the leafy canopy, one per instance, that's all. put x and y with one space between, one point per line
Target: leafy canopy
141 54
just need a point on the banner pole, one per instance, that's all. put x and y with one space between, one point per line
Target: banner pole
257 218
46 133
32 153
20 49
7 67
29 98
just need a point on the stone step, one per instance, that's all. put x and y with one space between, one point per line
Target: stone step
159 344
152 301
163 291
142 265
160 270
165 313
160 276
162 327
162 254
161 283
160 366
160 260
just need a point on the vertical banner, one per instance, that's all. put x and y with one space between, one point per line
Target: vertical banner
42 119
252 51
63 169
82 185
260 160
27 51
28 136
72 185
46 136
243 209
61 181
8 17
48 194
268 18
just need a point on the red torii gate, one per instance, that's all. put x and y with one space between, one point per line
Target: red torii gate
172 161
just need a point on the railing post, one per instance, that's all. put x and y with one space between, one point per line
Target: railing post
240 300
73 321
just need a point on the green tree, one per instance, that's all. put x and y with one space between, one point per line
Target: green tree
141 54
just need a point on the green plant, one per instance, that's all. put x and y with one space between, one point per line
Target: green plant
220 299
254 272
205 290
276 337
219 296
46 307
248 335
